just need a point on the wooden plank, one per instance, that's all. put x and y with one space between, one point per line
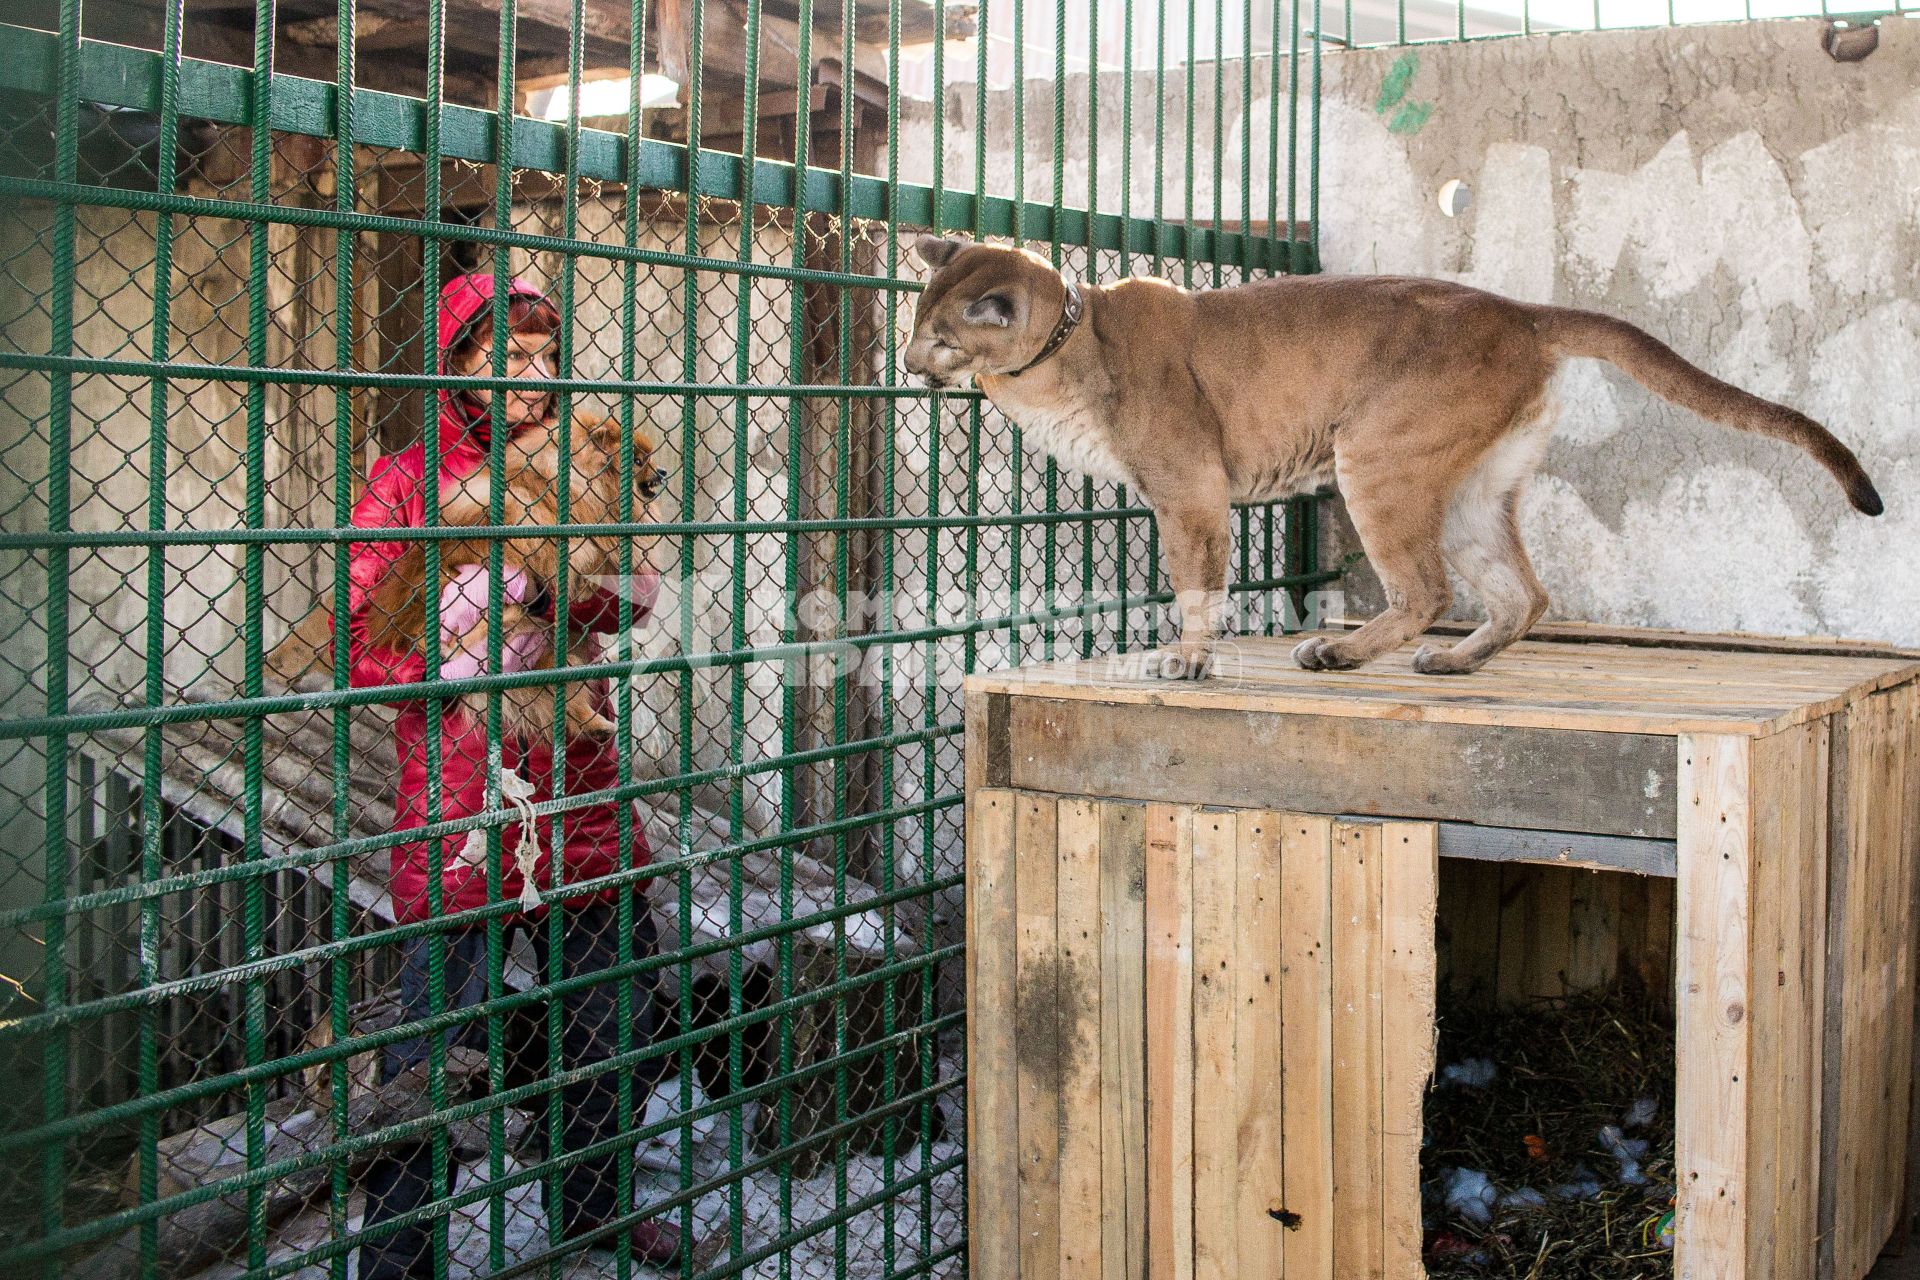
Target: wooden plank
1469 915
1868 994
1409 879
1853 1225
1911 833
1037 1047
1306 1010
1808 1068
1593 951
1661 922
1790 784
1357 982
1715 996
1609 689
1654 637
1216 1123
1841 839
1549 930
1169 918
1082 1099
993 1106
1639 855
1259 1046
986 740
1773 816
1123 1039
1897 928
1517 885
1605 783
1630 930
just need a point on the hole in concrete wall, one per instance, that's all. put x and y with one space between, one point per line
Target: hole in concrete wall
1454 197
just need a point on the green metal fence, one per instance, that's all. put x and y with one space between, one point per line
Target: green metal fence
218 292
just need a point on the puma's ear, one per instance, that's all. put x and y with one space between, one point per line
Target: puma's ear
994 308
937 251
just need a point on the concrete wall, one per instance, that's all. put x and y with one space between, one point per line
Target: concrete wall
1735 192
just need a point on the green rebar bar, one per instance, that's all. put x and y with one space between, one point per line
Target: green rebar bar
845 672
153 814
253 573
688 572
496 925
340 905
793 671
737 622
626 823
430 359
54 993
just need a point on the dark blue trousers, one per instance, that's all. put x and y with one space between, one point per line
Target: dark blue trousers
401 1180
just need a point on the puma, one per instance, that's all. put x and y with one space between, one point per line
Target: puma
1426 402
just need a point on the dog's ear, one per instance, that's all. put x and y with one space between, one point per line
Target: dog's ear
937 251
602 430
646 441
606 432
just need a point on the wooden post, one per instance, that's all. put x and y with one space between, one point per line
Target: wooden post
993 1104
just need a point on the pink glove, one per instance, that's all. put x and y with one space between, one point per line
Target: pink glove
646 592
463 601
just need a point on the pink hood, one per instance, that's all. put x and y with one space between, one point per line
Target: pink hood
466 303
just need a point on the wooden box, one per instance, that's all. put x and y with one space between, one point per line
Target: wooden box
1201 941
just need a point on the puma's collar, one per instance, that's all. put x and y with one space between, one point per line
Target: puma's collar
1070 313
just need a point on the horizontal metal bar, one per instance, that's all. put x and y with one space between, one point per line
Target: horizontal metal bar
183 372
110 1224
81 194
352 534
119 1113
158 993
486 819
240 708
118 75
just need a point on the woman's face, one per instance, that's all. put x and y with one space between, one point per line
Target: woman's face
529 355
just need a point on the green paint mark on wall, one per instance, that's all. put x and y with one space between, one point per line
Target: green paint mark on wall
1411 117
1399 76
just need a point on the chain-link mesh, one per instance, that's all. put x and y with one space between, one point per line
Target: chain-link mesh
235 1042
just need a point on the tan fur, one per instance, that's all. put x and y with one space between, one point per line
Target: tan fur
397 610
1427 402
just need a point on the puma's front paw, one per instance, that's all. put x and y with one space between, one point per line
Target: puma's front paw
1317 653
1181 660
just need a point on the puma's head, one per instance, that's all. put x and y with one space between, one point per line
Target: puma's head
988 309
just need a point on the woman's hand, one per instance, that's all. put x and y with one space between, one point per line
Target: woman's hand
463 623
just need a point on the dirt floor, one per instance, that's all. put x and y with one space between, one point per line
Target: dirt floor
1907 1268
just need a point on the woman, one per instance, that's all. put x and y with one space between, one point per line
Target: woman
590 836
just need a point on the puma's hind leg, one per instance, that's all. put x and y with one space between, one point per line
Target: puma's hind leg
1481 540
1400 528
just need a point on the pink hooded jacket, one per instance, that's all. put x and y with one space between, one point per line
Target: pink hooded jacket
396 498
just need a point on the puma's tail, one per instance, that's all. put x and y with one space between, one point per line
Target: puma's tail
1653 364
